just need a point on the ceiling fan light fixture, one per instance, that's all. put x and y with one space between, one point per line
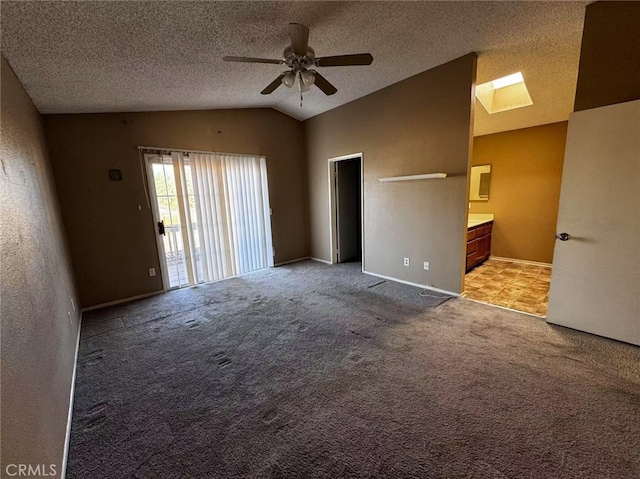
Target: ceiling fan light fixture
289 79
308 77
303 87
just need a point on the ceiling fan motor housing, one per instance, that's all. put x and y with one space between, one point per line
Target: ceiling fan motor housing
299 63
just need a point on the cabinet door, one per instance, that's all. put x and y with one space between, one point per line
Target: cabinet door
472 254
471 260
480 248
472 246
486 242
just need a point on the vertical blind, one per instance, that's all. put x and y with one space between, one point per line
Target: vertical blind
223 203
232 208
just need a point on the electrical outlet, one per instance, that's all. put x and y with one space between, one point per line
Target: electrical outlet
152 271
426 265
406 261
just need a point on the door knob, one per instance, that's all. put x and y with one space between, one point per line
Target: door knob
563 236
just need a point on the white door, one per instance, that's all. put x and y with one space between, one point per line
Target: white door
168 212
595 284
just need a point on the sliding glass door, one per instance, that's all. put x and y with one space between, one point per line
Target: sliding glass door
212 215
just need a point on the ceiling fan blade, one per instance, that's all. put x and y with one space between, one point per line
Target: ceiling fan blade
273 85
252 60
322 83
345 60
299 38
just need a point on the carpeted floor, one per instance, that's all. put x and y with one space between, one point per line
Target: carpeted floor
316 371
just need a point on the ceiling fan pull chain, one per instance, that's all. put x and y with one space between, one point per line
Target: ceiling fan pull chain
300 99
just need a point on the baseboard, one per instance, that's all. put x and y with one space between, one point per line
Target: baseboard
320 260
71 395
504 307
443 291
423 286
297 260
120 301
521 261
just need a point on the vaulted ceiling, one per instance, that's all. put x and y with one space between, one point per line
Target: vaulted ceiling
108 56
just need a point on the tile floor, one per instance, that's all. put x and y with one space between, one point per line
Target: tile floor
522 287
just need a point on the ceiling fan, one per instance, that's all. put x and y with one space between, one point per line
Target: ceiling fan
301 60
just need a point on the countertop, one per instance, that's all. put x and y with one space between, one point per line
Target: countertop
476 219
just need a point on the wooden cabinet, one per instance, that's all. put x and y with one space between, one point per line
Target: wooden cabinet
478 244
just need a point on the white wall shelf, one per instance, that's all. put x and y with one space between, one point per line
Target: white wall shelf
428 176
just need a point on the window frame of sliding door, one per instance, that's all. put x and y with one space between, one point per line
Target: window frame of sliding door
151 183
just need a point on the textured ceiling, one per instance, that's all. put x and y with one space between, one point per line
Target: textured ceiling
76 57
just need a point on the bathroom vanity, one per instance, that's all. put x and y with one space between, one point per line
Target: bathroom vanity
479 228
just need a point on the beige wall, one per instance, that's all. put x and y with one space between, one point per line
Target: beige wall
526 172
419 125
112 242
39 337
610 55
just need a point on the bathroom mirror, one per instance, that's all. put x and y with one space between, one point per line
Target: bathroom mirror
480 183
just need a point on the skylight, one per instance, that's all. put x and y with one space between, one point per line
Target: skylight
502 94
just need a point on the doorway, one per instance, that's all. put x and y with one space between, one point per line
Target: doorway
514 193
345 190
211 213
